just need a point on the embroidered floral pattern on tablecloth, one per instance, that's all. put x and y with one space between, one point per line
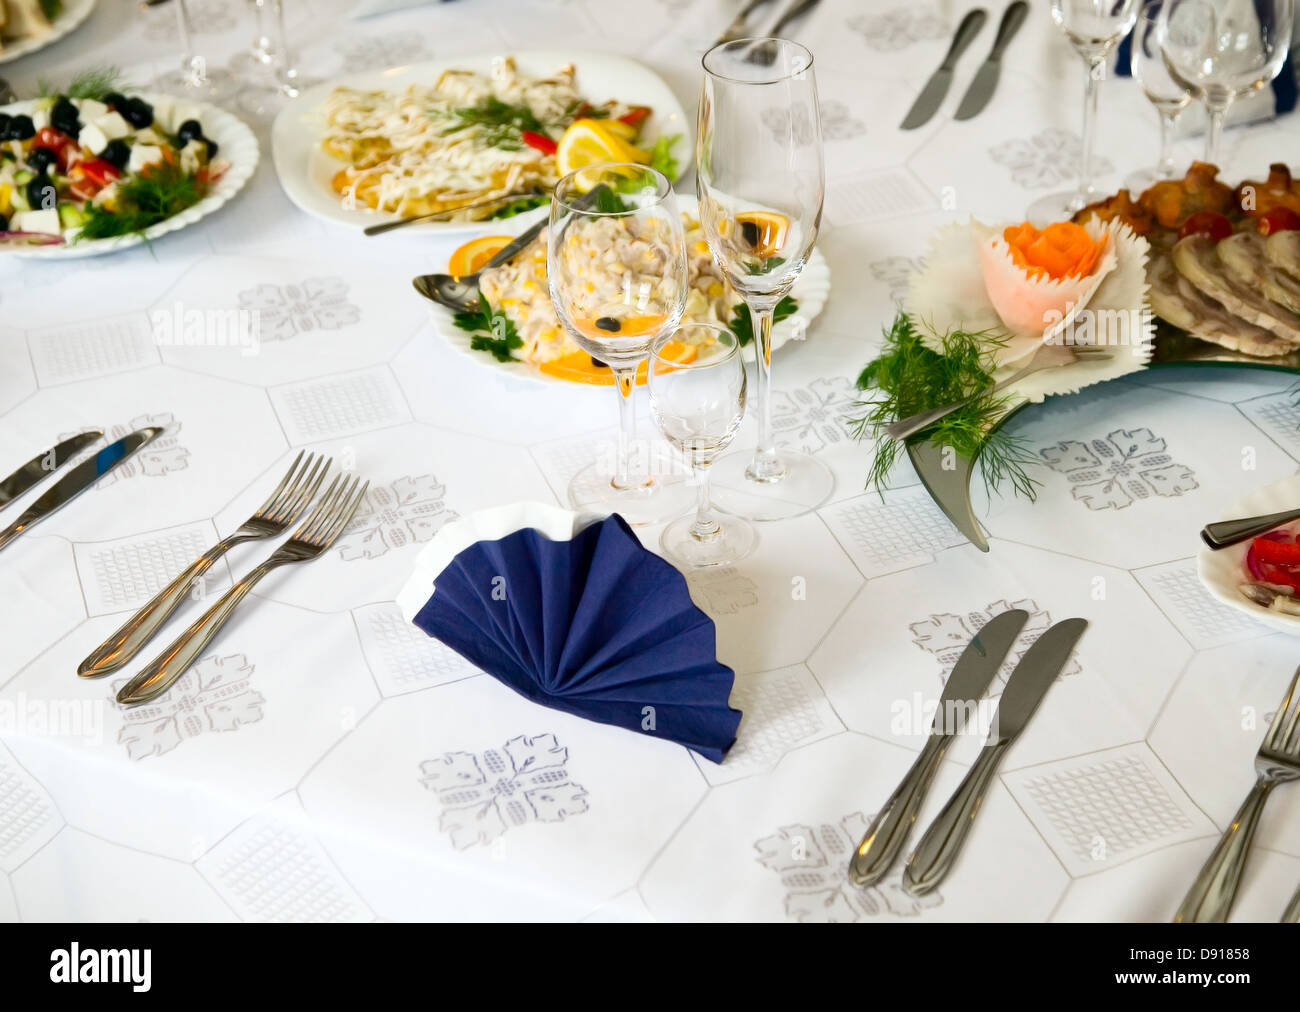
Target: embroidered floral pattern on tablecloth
1128 466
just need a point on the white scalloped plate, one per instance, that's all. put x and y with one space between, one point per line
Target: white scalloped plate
811 292
305 171
237 146
1222 572
73 14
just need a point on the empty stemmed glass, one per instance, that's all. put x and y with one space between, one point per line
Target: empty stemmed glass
195 78
616 267
760 181
271 52
1170 97
1094 28
698 404
1222 49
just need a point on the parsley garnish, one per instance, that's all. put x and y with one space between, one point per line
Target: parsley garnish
661 157
912 376
492 331
742 326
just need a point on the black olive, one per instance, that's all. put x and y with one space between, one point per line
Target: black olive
117 153
597 363
188 131
4 124
610 324
65 118
749 232
137 112
212 148
41 194
41 159
4 223
115 100
21 128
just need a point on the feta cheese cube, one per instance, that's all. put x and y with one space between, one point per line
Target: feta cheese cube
192 157
142 155
93 139
164 109
90 108
113 125
40 118
45 220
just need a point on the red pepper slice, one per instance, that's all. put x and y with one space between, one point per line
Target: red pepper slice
92 175
1276 553
539 142
635 116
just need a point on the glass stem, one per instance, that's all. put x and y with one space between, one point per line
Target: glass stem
1165 167
766 465
706 526
625 381
286 71
1214 133
264 40
1091 103
191 65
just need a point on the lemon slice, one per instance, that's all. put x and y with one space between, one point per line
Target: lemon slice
590 142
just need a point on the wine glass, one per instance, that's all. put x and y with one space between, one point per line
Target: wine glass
1221 49
271 52
760 181
616 267
698 404
1170 97
1094 28
195 78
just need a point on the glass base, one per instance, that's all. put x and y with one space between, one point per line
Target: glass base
1144 179
803 484
733 540
216 85
658 498
1055 207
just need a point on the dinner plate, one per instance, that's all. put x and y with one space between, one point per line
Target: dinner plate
305 170
69 19
811 292
1224 571
236 144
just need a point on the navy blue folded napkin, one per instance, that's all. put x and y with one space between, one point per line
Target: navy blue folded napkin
1284 85
572 612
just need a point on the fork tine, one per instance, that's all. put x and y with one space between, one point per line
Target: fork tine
306 488
1276 739
328 521
318 508
272 500
345 514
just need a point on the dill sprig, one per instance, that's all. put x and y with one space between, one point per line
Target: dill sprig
502 124
157 193
910 376
95 83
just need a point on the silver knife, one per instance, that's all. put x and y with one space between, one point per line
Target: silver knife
1028 684
78 480
986 78
970 677
927 103
44 463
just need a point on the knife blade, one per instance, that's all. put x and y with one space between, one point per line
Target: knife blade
934 856
44 463
78 480
970 677
927 103
986 78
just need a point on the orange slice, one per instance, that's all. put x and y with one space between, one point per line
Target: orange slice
764 232
606 327
475 253
578 367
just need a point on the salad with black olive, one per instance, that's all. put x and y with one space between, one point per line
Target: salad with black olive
76 169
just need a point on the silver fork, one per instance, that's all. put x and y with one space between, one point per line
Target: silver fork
1277 762
273 517
1048 356
323 524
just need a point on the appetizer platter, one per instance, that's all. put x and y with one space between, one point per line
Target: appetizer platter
29 25
516 329
430 137
86 176
1260 577
1225 261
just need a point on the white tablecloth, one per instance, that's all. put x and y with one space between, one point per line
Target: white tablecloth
326 761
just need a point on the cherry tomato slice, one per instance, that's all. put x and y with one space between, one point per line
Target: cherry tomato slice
1279 219
1210 223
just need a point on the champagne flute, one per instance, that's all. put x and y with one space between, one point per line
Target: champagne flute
1222 49
760 181
616 268
698 404
195 78
1170 97
1094 28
